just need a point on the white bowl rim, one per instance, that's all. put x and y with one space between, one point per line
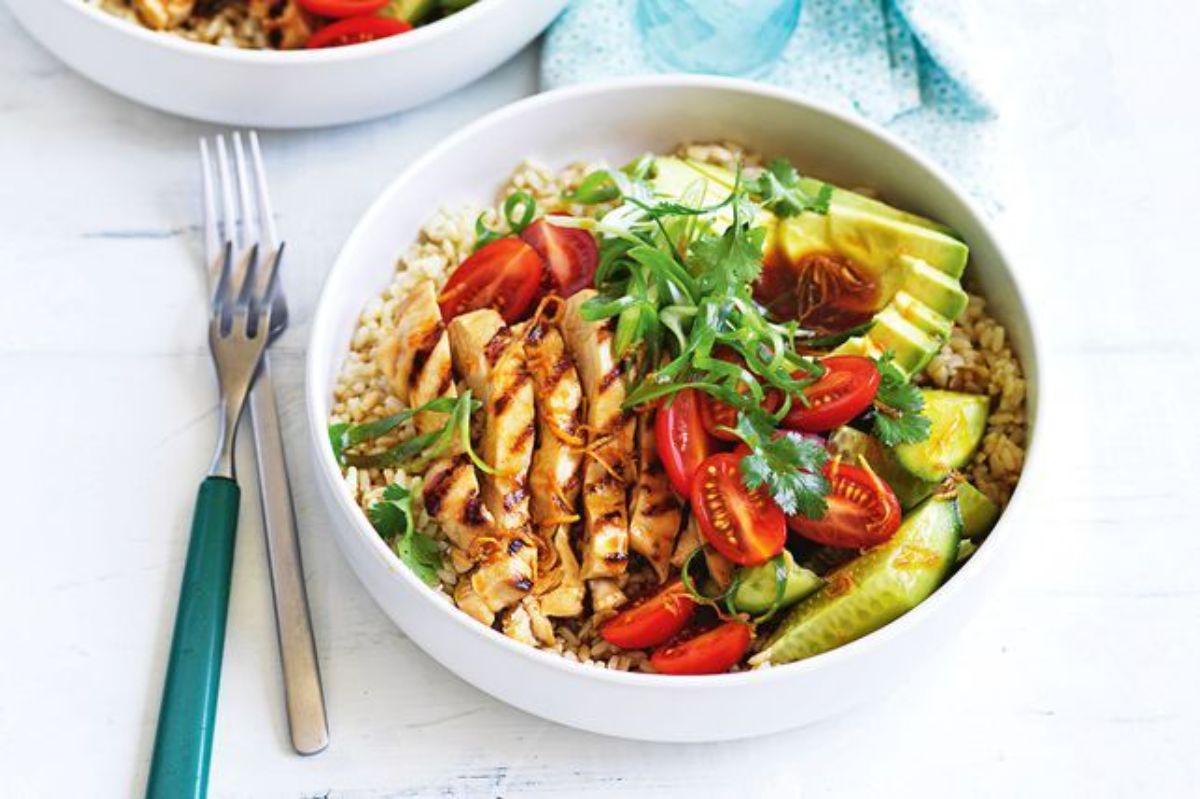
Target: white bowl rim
316 394
411 39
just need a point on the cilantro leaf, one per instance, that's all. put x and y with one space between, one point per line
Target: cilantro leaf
898 405
392 518
728 260
781 192
787 465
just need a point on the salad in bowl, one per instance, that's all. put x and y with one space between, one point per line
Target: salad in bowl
692 414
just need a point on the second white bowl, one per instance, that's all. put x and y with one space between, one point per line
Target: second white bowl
290 89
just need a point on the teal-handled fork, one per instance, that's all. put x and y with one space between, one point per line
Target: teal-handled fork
238 333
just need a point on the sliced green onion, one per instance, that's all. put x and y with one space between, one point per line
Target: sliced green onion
523 202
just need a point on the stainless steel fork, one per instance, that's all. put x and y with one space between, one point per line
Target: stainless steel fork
238 332
297 649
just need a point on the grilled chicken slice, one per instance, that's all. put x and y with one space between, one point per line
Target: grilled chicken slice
655 512
554 475
608 468
416 362
451 496
163 14
607 595
688 540
472 603
492 362
506 571
416 359
565 598
720 568
526 623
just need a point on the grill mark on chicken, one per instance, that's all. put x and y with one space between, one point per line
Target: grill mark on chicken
667 505
513 499
558 371
495 346
423 350
524 437
436 487
474 513
608 518
609 379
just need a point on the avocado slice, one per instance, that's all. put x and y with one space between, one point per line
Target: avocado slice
687 182
864 230
757 585
812 186
912 347
851 444
921 315
871 241
413 12
875 588
941 292
979 513
957 422
862 202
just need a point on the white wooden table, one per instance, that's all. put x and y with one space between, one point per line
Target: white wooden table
1079 678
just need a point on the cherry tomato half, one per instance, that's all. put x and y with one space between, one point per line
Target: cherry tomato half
503 274
843 392
863 510
717 414
356 30
342 8
681 439
570 255
651 621
743 525
711 652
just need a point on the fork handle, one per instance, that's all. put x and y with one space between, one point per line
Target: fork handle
297 648
183 743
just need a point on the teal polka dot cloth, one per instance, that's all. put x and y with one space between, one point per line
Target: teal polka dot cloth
906 64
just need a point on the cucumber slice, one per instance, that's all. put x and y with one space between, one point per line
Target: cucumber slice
909 490
979 513
875 588
757 585
958 423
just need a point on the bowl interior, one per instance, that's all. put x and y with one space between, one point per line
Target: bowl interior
616 122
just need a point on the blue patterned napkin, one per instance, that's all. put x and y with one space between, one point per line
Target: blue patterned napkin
906 64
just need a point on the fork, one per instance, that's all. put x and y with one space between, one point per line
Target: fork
239 323
303 694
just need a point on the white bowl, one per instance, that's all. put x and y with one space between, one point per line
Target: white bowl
296 89
617 121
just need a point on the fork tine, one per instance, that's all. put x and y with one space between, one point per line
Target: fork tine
249 286
219 307
266 300
228 219
266 216
249 217
211 242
